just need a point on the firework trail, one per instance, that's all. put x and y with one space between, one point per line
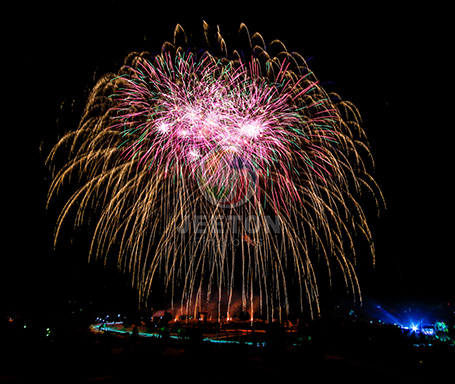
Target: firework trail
213 172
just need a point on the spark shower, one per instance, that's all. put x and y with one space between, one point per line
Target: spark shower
209 171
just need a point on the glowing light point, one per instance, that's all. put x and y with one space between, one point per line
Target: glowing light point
252 130
163 127
184 133
194 154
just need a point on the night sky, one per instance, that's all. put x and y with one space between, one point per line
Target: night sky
393 64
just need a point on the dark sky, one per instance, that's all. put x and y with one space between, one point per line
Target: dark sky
393 63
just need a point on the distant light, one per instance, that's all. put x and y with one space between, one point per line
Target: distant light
428 330
414 327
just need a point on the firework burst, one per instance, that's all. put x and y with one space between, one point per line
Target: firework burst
216 172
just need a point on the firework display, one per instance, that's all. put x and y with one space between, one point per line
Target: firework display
208 172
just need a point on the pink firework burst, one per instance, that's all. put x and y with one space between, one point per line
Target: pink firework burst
177 111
